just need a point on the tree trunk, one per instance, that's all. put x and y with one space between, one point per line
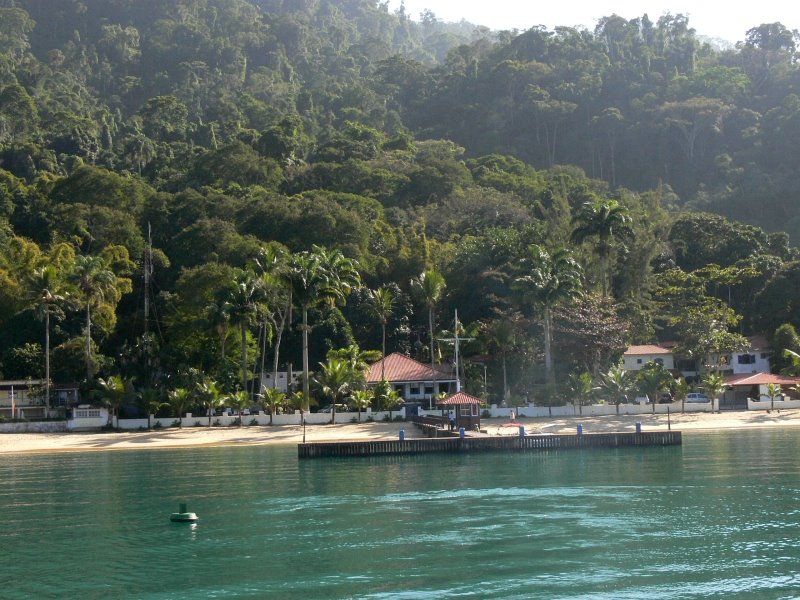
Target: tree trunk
383 353
88 342
548 357
433 371
47 359
244 356
306 396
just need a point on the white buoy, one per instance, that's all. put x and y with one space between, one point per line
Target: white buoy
183 516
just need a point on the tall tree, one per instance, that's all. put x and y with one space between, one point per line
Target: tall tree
242 306
549 279
47 290
380 304
98 284
429 288
319 277
606 220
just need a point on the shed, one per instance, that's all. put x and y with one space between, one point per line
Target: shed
467 409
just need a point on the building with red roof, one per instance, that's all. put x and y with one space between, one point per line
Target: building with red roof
413 380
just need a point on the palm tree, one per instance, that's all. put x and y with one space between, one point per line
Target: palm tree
218 317
47 290
242 307
361 400
319 277
179 400
386 397
581 387
238 401
618 382
605 220
113 392
336 379
272 399
551 279
151 400
209 395
773 391
380 304
429 288
96 282
272 264
681 389
653 379
714 384
502 336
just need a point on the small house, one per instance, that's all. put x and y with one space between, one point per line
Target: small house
413 380
466 409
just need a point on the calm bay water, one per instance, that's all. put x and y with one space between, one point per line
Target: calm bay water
716 518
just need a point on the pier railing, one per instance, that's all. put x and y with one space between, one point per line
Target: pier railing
487 444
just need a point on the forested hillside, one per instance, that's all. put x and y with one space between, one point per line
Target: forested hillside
569 191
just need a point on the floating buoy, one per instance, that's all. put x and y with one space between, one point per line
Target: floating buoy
183 516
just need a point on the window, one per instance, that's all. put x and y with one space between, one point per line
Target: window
429 390
414 391
638 361
659 361
465 411
747 359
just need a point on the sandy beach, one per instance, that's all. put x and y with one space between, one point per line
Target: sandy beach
293 434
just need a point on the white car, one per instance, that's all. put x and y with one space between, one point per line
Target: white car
697 397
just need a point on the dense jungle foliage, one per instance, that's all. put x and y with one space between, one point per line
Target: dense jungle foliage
568 191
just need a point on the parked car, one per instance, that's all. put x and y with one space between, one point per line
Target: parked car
642 399
697 397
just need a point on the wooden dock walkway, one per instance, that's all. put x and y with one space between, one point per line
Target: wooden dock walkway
488 444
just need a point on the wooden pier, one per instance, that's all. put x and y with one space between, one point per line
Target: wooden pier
488 444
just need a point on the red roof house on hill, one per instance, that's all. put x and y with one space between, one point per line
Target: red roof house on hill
412 379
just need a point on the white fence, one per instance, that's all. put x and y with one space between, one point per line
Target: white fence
765 404
595 410
261 418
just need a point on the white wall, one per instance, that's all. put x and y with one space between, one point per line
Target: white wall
261 419
636 362
766 404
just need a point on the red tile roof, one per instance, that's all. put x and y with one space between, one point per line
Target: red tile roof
402 369
743 379
460 398
647 349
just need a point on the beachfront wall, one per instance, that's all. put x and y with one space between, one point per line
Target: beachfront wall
594 410
766 404
261 418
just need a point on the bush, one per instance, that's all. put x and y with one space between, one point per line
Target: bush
198 424
253 422
158 425
399 418
216 423
370 419
176 423
386 418
354 420
486 414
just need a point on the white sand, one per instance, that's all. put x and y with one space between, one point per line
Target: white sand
293 434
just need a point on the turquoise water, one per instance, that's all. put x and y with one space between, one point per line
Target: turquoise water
716 518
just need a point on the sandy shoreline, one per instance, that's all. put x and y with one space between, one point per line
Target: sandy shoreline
293 434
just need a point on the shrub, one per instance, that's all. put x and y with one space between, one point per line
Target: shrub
399 418
158 425
370 419
486 414
253 422
354 420
216 423
198 424
176 423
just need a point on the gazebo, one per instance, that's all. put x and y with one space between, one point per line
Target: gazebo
467 409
